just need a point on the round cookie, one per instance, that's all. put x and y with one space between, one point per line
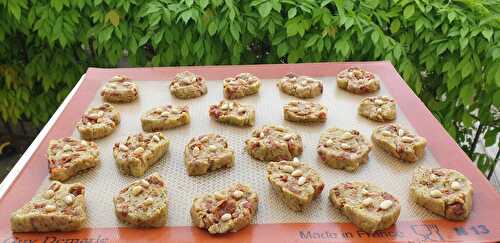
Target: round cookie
400 142
228 210
143 203
188 85
378 108
98 122
300 86
207 153
343 149
358 81
304 111
366 205
70 156
165 117
139 152
119 90
296 182
243 84
233 113
274 143
445 192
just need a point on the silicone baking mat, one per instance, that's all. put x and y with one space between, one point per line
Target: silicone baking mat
319 221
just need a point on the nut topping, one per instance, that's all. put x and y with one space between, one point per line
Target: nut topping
148 201
237 194
156 138
48 194
139 150
406 139
50 208
456 186
367 201
386 133
212 148
287 168
287 136
436 194
225 217
329 142
67 147
123 147
301 181
297 173
69 199
386 204
136 190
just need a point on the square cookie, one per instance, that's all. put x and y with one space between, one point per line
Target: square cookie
296 182
304 111
357 81
300 86
59 208
98 122
207 153
143 203
70 156
274 143
138 152
165 117
233 113
228 210
243 84
399 142
119 89
188 85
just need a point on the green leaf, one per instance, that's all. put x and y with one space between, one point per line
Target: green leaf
212 28
395 26
235 30
292 12
409 11
312 40
57 4
491 137
374 37
265 8
467 119
467 94
203 3
113 17
282 49
487 33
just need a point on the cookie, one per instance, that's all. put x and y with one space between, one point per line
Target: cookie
296 183
367 206
70 156
207 153
119 90
98 122
304 111
445 192
243 84
165 117
400 142
357 81
188 85
343 149
59 208
139 152
143 203
378 108
274 143
300 86
233 113
228 210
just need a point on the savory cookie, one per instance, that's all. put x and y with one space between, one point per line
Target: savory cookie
300 86
119 90
274 143
296 182
98 122
59 208
139 152
343 149
366 205
207 153
304 111
358 81
378 108
228 210
243 84
233 113
143 203
188 85
442 191
165 117
70 156
400 142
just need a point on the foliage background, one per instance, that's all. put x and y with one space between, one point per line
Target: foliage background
447 51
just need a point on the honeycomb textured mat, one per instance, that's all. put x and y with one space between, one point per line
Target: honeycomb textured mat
383 170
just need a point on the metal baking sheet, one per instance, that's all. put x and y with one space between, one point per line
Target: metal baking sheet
104 181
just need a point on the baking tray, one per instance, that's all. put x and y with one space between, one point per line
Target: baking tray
319 222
